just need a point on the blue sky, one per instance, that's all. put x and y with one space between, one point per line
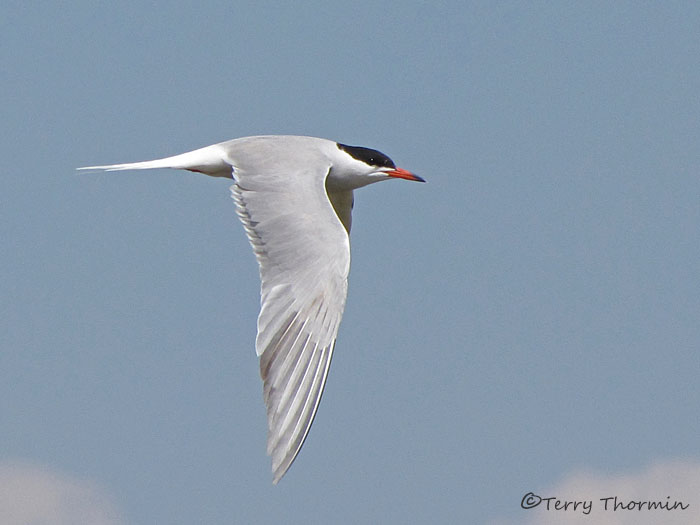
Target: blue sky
529 314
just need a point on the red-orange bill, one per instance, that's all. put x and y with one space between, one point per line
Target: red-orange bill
401 173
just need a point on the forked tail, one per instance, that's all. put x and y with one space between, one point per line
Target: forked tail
210 161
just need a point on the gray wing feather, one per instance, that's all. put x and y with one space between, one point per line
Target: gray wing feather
303 252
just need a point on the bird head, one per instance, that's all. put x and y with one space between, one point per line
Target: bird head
355 166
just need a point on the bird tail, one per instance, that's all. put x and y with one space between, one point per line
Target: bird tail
210 160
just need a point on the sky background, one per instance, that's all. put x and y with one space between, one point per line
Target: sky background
525 322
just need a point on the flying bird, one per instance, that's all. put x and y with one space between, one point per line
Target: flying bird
294 196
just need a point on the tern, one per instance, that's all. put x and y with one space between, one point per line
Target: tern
294 196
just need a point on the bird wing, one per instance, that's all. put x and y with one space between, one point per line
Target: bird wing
304 255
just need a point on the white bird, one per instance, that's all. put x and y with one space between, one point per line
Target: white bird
294 196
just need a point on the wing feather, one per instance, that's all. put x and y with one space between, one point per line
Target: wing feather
303 252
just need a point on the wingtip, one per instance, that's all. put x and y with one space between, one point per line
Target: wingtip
280 466
278 471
